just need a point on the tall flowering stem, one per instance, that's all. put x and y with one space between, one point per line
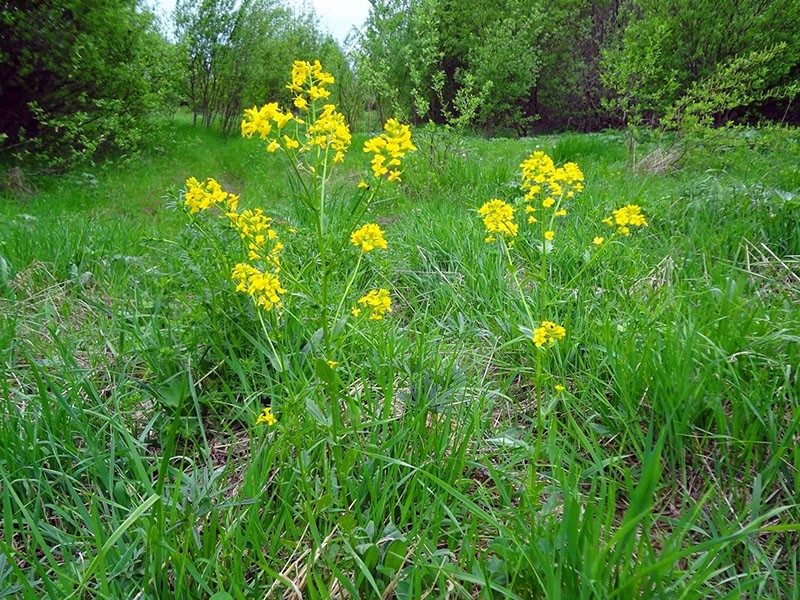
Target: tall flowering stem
314 138
546 191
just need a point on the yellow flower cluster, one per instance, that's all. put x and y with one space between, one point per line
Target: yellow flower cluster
255 229
540 176
548 332
309 79
368 238
325 130
377 302
260 120
541 179
498 217
203 195
267 417
626 217
259 238
388 148
264 287
330 130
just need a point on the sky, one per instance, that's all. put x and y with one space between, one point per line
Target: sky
336 16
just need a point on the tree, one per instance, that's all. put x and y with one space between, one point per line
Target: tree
73 77
669 47
238 53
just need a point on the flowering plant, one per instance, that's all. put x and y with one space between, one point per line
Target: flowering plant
315 139
546 191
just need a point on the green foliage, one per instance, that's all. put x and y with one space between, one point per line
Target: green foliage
233 51
670 51
569 63
76 76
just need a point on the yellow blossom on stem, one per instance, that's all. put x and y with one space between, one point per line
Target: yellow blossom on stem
626 217
264 288
498 217
547 333
378 302
389 148
301 103
549 235
541 176
203 195
368 237
300 72
257 120
267 417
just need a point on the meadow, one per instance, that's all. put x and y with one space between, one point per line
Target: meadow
656 457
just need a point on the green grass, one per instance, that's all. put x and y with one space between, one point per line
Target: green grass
132 376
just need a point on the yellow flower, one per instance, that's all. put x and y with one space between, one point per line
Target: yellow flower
300 72
548 332
378 302
626 217
264 288
560 213
540 175
332 363
363 185
630 215
321 76
203 195
368 237
316 92
498 217
281 119
377 165
560 388
355 311
549 235
267 417
301 103
597 241
330 130
548 202
273 145
257 120
389 148
290 143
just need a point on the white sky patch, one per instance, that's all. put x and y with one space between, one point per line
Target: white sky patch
337 17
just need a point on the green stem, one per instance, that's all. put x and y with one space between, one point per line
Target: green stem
513 271
321 235
347 288
542 314
590 262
